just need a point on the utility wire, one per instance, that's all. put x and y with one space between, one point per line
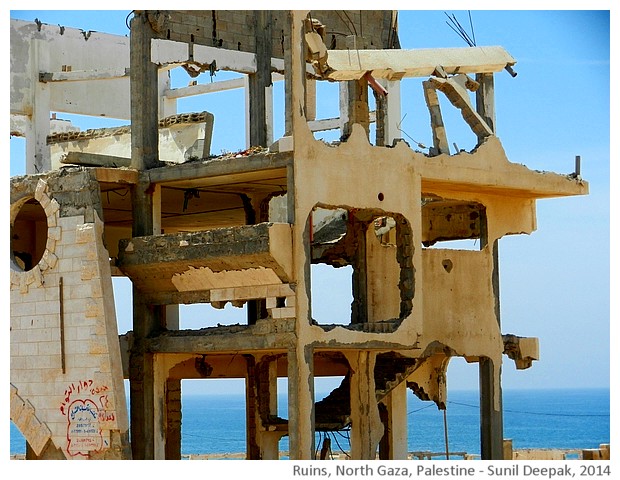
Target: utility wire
538 413
419 409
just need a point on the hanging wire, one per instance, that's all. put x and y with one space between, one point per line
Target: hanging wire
538 413
420 145
345 22
339 446
420 409
351 22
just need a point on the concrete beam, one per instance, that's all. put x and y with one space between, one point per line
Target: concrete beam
398 64
219 339
455 91
79 76
220 167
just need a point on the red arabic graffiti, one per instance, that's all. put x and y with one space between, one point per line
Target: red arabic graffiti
87 408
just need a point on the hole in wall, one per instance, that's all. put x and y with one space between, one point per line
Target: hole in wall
452 224
28 235
377 251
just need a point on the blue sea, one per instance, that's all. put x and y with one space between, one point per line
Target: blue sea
564 419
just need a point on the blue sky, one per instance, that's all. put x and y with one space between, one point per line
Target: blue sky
555 283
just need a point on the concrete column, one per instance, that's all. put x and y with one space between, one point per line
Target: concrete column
300 404
268 402
392 117
260 81
252 416
146 384
167 106
143 85
366 426
160 420
288 76
38 157
173 419
359 306
396 433
491 412
491 421
440 140
173 397
147 432
485 100
357 106
310 100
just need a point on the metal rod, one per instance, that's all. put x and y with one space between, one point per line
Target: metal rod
578 165
62 326
445 431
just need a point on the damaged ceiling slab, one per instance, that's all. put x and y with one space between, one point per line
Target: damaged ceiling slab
151 202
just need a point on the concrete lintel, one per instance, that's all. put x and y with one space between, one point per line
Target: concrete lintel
334 123
165 52
395 64
223 339
204 88
77 76
220 166
94 160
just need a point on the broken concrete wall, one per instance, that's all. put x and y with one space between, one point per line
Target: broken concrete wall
235 30
65 355
40 48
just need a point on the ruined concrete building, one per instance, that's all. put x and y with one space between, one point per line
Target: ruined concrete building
151 202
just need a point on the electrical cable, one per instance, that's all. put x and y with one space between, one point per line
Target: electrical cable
537 413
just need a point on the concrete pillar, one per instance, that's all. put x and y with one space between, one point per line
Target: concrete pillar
310 100
173 419
392 116
366 426
252 416
267 389
144 95
382 278
491 421
359 306
260 81
38 157
491 409
395 435
356 106
485 100
300 404
146 383
288 76
160 420
167 106
440 139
